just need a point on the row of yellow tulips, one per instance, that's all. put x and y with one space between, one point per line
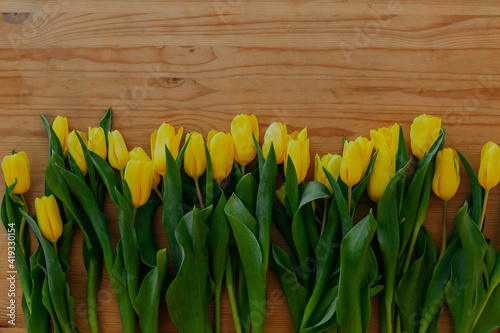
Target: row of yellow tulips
143 173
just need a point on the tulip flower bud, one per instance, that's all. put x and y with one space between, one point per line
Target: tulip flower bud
97 142
139 177
195 161
298 151
117 150
49 218
355 160
446 174
424 131
76 151
386 138
384 169
489 169
17 166
277 135
60 127
164 136
221 148
138 154
242 128
330 162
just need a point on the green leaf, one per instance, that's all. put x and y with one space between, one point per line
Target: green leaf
477 196
357 192
260 156
345 218
190 292
489 320
108 175
401 160
105 123
150 292
143 221
284 225
296 295
246 191
358 271
38 320
90 166
416 280
291 189
54 143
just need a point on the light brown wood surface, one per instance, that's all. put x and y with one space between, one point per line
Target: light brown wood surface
339 68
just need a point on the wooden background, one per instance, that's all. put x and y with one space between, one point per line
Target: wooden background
337 67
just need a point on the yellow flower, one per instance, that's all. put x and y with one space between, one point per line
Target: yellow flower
195 161
277 135
355 160
386 138
446 174
76 151
242 128
164 136
117 150
139 177
424 131
384 169
17 166
332 163
298 151
221 148
489 169
49 218
60 127
97 142
138 154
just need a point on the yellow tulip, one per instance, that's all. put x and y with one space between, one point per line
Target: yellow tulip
386 138
330 162
277 135
76 151
298 151
17 166
489 169
97 142
117 150
60 127
424 131
139 177
49 218
446 174
242 128
221 148
384 169
164 136
195 161
355 160
138 154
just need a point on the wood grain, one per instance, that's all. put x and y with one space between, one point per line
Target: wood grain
339 68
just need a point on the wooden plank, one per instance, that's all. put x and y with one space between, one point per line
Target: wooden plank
340 68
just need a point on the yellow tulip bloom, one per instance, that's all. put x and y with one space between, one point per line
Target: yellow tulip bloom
164 136
221 148
139 177
446 174
384 169
117 150
242 128
355 160
17 166
277 135
386 138
49 218
195 161
97 141
489 169
138 154
298 151
330 162
60 127
424 131
76 151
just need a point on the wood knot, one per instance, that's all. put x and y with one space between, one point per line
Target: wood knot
15 18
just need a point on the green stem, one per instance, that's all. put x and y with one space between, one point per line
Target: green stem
134 214
198 191
349 199
413 240
122 178
157 191
483 213
22 227
398 322
232 297
218 290
445 237
243 167
325 213
54 244
92 288
490 292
